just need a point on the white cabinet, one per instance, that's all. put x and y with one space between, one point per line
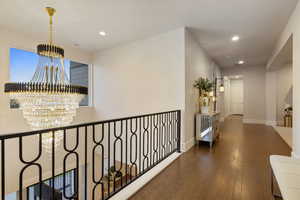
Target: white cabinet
207 127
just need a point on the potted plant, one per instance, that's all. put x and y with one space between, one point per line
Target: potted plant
204 86
113 173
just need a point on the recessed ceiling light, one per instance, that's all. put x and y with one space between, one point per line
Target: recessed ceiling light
235 38
102 33
241 62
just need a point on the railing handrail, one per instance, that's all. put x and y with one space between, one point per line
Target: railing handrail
133 145
34 132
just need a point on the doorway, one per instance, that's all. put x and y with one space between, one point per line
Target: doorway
234 95
237 97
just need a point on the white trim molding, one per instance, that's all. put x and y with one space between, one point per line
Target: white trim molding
140 182
271 123
187 145
294 155
253 121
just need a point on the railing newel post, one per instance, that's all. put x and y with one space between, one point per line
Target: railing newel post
179 131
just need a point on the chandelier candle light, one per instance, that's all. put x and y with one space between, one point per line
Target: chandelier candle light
48 100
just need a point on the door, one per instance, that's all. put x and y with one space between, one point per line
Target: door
237 96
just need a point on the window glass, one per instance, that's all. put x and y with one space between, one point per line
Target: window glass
23 64
33 192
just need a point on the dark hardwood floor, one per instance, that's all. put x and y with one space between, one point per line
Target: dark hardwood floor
237 168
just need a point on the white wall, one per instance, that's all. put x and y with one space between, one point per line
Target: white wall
141 77
292 29
11 120
283 91
271 101
254 91
152 75
198 64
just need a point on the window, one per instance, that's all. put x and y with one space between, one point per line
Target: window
79 75
23 64
33 192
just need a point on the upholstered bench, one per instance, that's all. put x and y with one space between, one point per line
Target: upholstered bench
286 171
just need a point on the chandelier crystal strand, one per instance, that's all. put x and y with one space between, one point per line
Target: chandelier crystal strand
48 100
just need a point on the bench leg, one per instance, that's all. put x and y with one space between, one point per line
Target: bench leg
272 187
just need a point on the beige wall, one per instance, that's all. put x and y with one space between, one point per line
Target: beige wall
197 64
254 91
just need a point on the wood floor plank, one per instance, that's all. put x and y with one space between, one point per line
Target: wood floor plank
236 168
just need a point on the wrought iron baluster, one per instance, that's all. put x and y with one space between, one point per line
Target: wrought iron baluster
53 163
98 144
178 121
151 134
133 135
140 145
28 164
155 139
70 152
145 135
85 162
118 138
108 157
170 132
163 135
174 131
3 169
160 137
126 151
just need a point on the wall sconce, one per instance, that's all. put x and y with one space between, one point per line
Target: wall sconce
222 89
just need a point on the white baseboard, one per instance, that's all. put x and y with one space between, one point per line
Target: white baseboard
187 145
294 155
140 182
253 121
271 123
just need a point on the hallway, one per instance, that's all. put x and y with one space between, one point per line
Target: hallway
236 168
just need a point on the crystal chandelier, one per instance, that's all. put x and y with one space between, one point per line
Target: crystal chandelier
48 100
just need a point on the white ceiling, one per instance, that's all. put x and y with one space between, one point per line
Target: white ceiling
213 22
